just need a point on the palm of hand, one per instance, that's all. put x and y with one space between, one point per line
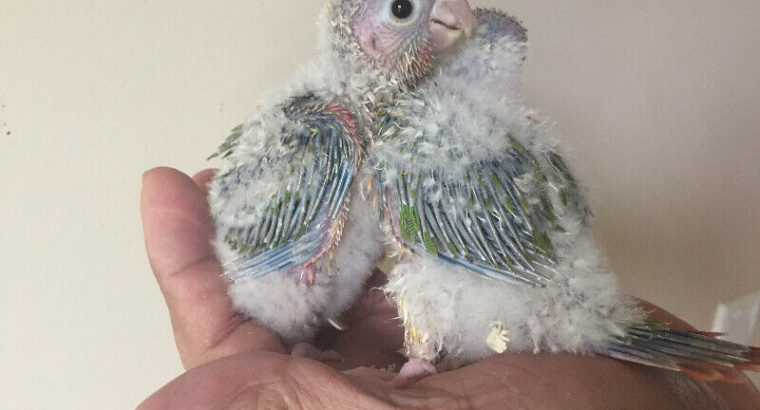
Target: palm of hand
233 363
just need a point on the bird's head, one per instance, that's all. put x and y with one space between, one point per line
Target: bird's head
489 65
398 39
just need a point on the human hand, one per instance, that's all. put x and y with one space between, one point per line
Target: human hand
233 363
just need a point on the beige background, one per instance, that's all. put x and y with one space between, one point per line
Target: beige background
660 100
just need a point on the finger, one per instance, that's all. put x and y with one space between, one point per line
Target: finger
569 381
178 233
203 178
262 380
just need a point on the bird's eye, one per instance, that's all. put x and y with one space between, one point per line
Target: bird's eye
402 9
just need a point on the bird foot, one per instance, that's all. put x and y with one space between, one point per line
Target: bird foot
413 371
308 351
309 274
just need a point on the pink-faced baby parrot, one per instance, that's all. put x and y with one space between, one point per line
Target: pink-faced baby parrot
295 235
493 233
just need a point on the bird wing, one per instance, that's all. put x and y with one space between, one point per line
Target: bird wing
485 220
284 200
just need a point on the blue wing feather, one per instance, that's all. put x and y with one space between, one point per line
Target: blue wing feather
320 165
483 221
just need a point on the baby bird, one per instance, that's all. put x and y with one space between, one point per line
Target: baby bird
492 229
295 240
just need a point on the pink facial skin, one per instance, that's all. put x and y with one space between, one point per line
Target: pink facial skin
446 21
375 39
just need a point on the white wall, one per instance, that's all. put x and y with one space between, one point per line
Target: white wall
658 98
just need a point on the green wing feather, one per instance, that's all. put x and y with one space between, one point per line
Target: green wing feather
229 144
487 221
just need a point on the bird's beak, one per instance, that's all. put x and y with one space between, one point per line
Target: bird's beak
450 20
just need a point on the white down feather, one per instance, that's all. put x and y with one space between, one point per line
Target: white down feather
449 311
294 310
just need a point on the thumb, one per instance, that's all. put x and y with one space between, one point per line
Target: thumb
178 233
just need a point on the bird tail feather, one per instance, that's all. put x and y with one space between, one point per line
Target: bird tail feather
698 354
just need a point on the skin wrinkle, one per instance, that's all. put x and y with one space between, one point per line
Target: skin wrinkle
504 384
303 384
217 338
424 397
510 380
259 389
692 392
470 400
295 381
275 344
181 273
437 399
376 392
189 397
516 397
259 396
217 342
